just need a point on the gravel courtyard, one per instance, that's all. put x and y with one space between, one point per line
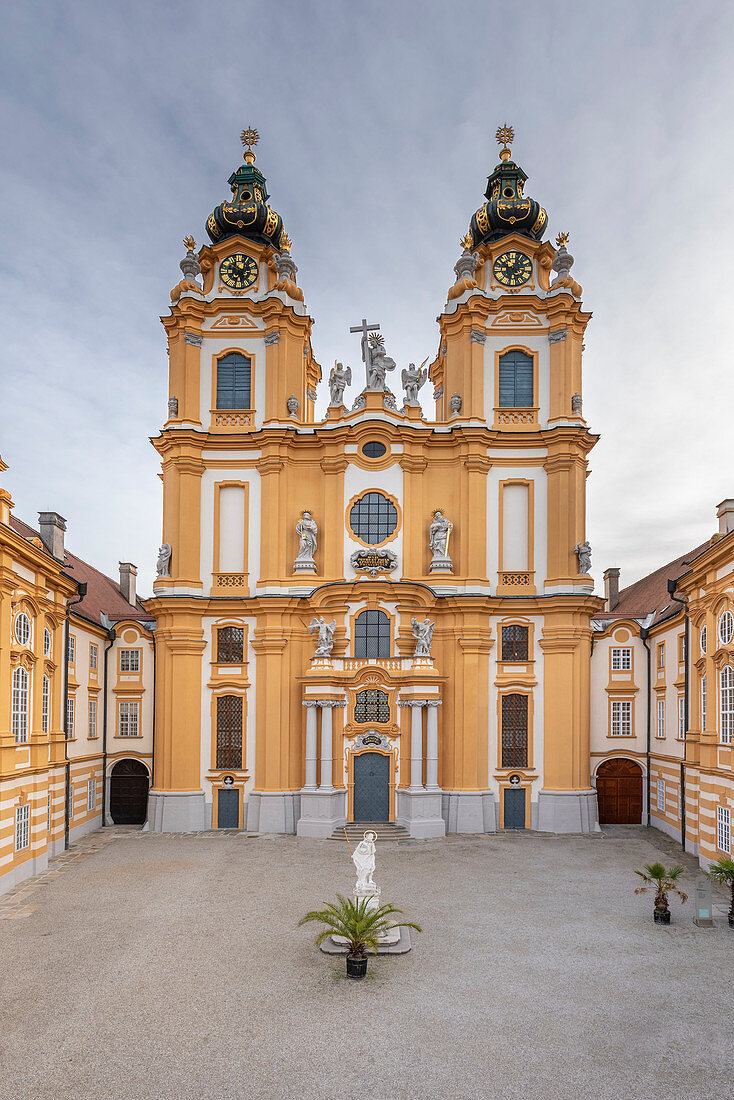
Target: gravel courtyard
151 967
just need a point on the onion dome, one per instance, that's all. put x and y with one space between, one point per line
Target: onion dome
248 214
507 210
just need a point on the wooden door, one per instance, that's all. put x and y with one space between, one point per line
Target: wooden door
129 793
619 792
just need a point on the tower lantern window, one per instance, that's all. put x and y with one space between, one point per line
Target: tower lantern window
234 375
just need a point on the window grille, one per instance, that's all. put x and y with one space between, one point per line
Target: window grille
234 376
703 702
726 627
622 659
661 795
371 706
726 704
47 642
514 731
93 651
20 705
72 649
723 829
229 731
681 717
703 639
45 703
661 718
22 826
92 730
91 794
22 629
373 518
129 660
230 645
515 380
69 718
621 718
128 720
372 635
514 643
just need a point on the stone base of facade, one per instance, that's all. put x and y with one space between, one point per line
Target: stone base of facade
22 871
568 812
76 832
321 812
176 812
272 811
469 811
420 813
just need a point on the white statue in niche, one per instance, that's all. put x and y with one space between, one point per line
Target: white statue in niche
438 537
363 858
326 630
163 564
423 634
307 531
582 550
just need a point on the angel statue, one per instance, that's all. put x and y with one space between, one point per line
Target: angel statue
339 379
307 531
378 362
326 635
413 380
423 634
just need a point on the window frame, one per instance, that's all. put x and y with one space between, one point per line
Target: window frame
355 504
723 829
362 637
47 642
22 826
661 795
20 705
703 701
91 795
72 649
661 656
512 645
92 713
222 645
93 656
228 754
218 361
620 719
46 704
505 746
681 717
625 653
530 362
24 620
128 718
725 627
70 717
660 720
702 640
726 713
126 659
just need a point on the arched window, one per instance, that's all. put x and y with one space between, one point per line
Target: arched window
514 643
372 705
229 731
23 629
703 639
234 373
726 704
514 731
20 705
372 634
726 627
515 380
46 642
230 645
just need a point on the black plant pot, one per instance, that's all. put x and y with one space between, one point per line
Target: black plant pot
731 922
356 966
662 916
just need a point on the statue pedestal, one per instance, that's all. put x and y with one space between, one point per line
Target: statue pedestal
336 412
441 565
305 566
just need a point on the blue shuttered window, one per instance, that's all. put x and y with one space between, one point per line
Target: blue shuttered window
233 381
516 380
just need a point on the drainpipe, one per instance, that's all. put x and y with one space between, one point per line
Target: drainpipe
82 591
686 630
644 634
111 635
152 736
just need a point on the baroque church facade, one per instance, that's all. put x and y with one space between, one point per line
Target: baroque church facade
379 615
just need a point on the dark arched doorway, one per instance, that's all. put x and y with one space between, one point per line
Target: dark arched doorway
619 792
129 792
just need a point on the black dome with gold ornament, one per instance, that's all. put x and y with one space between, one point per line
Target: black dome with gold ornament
248 214
507 210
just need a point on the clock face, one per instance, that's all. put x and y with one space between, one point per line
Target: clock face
512 268
238 271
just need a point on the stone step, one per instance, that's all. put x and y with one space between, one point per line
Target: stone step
385 831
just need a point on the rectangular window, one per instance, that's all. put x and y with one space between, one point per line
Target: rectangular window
661 655
92 731
514 643
703 702
514 731
515 380
723 829
681 717
129 660
621 659
661 795
93 651
19 706
230 645
91 794
22 827
69 718
229 731
726 704
681 649
621 718
128 720
660 731
72 649
234 373
45 699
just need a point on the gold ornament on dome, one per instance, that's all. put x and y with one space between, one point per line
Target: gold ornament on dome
505 136
285 242
249 138
562 239
189 243
467 242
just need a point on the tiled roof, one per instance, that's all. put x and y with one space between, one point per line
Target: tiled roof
650 594
103 594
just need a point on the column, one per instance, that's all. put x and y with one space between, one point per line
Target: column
326 745
416 744
310 745
432 744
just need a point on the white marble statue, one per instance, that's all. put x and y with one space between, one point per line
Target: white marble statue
307 531
163 564
326 630
583 553
413 379
438 538
378 362
339 379
363 858
423 634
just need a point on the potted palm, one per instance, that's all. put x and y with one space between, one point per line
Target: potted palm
663 882
723 872
359 925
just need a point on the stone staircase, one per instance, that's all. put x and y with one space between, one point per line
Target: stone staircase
385 831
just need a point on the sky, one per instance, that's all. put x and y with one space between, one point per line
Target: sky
120 125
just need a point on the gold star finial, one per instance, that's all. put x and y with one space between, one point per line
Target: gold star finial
562 239
505 136
285 242
189 243
467 242
249 138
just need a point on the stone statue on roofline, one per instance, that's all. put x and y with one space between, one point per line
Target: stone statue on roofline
413 379
339 379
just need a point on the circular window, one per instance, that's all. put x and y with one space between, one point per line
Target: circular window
373 449
703 639
726 627
507 192
22 629
373 518
247 195
47 642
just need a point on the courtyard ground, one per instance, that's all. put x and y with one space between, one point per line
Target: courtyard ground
151 967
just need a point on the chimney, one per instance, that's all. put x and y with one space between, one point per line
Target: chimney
725 512
52 527
128 573
611 589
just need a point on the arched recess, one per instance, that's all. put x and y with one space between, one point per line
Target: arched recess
619 792
129 782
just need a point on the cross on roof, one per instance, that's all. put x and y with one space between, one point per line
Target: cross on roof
364 328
